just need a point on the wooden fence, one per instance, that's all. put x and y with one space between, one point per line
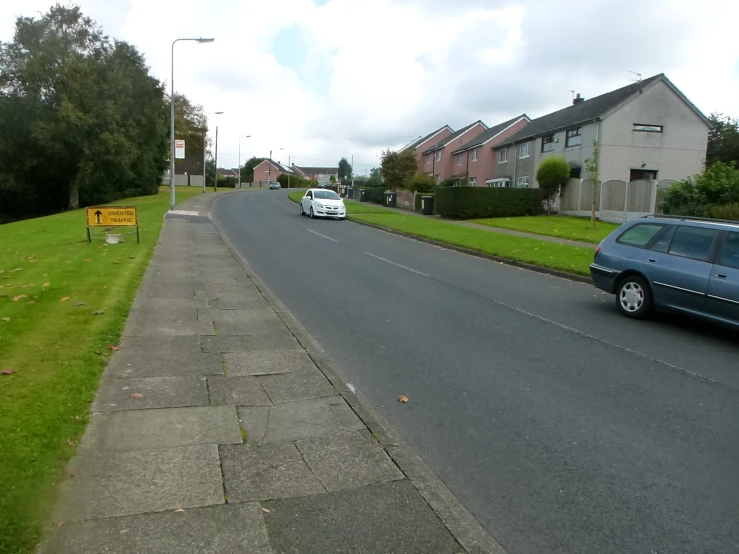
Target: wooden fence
615 201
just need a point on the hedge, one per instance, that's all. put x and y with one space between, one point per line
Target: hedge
475 202
296 182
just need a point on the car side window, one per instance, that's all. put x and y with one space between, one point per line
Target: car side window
730 253
640 234
309 194
663 241
693 242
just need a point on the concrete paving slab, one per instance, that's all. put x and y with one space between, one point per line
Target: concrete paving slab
237 391
245 302
310 418
378 519
183 344
225 529
282 340
142 328
266 326
348 460
123 483
244 316
302 385
267 362
163 313
146 303
261 472
167 290
167 427
241 287
127 363
254 421
158 392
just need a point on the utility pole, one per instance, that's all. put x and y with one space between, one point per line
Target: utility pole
215 184
352 170
289 166
269 168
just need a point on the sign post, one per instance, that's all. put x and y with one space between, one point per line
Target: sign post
112 216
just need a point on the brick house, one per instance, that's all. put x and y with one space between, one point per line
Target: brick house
438 160
268 171
477 156
423 143
320 174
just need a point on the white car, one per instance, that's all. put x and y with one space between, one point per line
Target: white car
322 203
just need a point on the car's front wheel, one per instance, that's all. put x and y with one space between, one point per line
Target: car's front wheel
312 215
634 297
302 211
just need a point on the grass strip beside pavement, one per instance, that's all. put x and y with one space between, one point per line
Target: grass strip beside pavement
352 206
551 255
571 228
51 282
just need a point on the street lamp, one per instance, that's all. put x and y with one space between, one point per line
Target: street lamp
269 166
171 102
205 140
242 136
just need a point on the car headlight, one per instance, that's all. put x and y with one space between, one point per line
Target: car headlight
319 205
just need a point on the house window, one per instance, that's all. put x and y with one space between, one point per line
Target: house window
503 156
459 159
474 155
547 143
428 159
642 175
523 150
473 181
499 183
574 138
647 128
523 182
438 156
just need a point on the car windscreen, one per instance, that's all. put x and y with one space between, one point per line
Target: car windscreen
326 195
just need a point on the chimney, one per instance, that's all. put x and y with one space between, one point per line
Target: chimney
578 99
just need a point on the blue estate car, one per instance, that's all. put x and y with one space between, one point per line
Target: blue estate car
689 265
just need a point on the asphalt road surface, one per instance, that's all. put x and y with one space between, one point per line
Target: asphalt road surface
561 425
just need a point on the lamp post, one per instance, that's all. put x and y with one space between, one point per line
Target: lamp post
172 137
205 140
243 136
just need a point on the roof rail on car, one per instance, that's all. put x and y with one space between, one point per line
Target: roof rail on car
691 218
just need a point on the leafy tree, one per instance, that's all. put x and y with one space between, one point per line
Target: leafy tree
723 140
421 182
332 179
345 169
191 126
247 170
698 196
553 172
398 168
592 167
375 178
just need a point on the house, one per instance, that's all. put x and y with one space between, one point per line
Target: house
645 130
267 172
438 160
320 174
423 143
477 156
223 172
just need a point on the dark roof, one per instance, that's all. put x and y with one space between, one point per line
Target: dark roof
443 142
315 170
485 136
582 112
420 140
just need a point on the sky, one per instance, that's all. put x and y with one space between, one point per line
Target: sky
315 80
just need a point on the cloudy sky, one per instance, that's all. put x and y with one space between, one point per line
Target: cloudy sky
329 78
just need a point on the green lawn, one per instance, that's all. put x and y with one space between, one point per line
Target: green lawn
572 228
545 254
352 206
51 282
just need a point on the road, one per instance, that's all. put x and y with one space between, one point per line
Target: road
561 425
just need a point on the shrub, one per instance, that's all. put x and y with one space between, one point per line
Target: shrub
474 202
716 186
296 182
553 172
226 182
421 182
376 194
727 211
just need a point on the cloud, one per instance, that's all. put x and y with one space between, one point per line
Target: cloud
330 78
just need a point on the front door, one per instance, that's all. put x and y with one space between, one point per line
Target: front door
723 285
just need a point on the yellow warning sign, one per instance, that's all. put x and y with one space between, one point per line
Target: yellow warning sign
112 216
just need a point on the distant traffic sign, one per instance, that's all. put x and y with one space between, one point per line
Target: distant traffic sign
112 216
179 149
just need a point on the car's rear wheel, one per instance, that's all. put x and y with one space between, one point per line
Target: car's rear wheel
634 297
312 215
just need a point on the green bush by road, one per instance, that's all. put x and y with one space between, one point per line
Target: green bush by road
51 282
544 254
571 228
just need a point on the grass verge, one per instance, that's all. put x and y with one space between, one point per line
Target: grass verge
545 254
51 282
572 228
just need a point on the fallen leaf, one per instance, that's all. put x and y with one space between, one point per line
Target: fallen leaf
7 372
6 319
60 524
72 473
18 269
98 312
80 304
64 299
87 259
116 262
114 348
402 398
45 284
136 395
132 257
266 511
16 298
179 510
70 442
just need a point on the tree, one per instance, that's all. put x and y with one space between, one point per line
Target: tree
375 178
345 169
421 182
191 126
247 170
553 172
592 167
398 168
723 140
698 196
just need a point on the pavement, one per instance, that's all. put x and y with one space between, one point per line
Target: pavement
561 425
221 427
